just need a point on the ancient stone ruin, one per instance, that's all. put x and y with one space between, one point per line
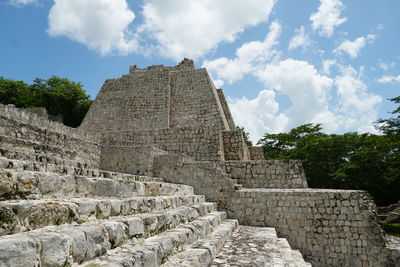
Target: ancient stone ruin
158 175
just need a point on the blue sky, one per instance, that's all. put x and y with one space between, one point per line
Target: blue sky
280 63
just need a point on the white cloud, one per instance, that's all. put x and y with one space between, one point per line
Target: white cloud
193 28
357 106
19 3
301 39
327 65
311 95
101 25
386 65
353 48
259 115
328 17
247 57
307 89
389 79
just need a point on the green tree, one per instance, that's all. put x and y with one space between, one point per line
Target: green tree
279 146
62 96
246 136
392 125
349 161
17 93
57 95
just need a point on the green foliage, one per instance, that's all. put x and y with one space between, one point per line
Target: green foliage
15 92
246 136
349 161
57 95
392 228
391 126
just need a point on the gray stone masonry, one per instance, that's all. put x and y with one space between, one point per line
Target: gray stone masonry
226 110
157 98
23 132
201 143
258 247
234 146
267 173
329 227
113 158
65 202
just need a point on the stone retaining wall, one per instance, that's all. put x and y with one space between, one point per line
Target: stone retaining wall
23 132
201 143
267 173
256 153
235 147
134 160
329 227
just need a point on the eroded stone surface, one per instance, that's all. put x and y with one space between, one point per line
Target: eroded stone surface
256 246
178 112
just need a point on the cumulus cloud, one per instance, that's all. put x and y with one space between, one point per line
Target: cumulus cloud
385 65
20 3
301 39
353 48
310 93
193 28
300 81
389 79
101 25
247 57
327 65
173 29
357 106
258 115
328 17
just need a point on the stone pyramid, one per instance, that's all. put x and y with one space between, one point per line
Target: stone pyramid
158 175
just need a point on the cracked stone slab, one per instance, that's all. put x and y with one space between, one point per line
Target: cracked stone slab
256 247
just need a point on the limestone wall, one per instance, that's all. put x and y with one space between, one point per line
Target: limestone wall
157 97
25 135
194 100
256 153
134 160
226 110
329 227
235 147
267 173
137 101
207 178
202 143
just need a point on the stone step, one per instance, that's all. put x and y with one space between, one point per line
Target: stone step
24 215
292 258
202 252
36 185
155 250
258 246
63 168
67 244
24 149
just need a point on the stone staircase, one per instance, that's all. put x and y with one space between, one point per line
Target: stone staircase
57 209
64 215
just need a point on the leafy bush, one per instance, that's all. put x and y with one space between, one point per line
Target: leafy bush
57 95
349 161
